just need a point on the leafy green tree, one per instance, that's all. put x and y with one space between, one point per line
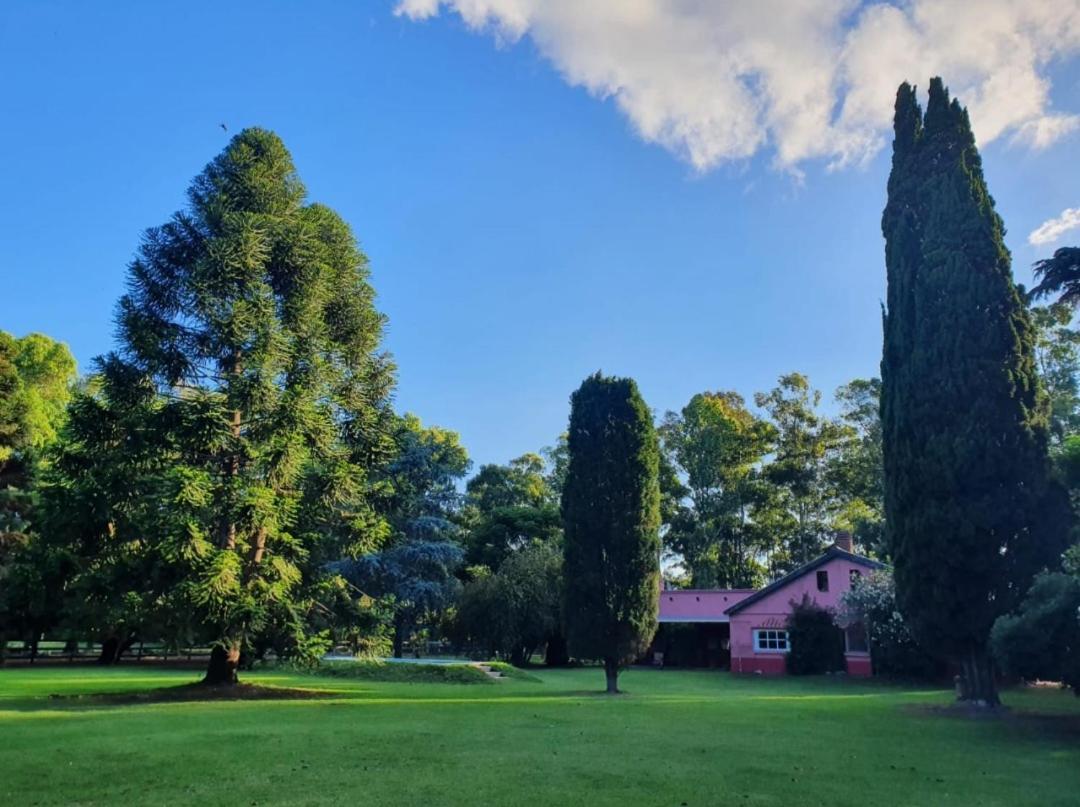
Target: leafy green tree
516 611
717 444
971 511
801 509
252 313
101 499
856 470
1057 357
507 508
611 520
36 378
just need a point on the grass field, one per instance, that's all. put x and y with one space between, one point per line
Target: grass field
676 738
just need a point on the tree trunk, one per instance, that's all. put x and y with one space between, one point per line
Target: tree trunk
556 654
399 639
224 661
978 686
110 651
611 670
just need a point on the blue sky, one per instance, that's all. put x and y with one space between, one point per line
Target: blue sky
523 230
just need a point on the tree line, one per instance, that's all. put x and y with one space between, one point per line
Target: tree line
234 473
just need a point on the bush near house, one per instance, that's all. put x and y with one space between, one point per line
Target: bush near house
872 602
817 644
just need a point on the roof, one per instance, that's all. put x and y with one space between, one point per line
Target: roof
833 553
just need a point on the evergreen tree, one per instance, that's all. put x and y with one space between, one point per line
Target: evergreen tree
971 512
611 520
252 314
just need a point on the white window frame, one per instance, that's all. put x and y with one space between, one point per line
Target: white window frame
771 636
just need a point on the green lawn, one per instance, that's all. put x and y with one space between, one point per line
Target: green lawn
677 738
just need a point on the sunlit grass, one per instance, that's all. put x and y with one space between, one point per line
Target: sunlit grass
695 737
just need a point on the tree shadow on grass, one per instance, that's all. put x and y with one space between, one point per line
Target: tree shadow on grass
1026 723
190 693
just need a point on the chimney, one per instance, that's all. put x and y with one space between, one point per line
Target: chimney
843 541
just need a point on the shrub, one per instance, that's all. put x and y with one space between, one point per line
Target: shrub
872 602
817 644
402 672
1042 640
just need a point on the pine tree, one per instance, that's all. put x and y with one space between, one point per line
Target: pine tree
971 512
252 314
611 520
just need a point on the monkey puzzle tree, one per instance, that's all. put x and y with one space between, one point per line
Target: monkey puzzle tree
611 521
971 512
251 312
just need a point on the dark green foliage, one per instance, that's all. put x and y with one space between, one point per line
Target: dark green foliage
870 605
419 577
251 314
1059 275
817 644
1042 640
517 610
970 509
509 507
611 518
402 672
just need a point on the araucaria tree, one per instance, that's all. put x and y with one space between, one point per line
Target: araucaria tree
251 313
971 512
611 521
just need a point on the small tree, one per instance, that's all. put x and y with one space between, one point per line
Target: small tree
517 610
611 520
418 575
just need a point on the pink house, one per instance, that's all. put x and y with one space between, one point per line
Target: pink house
747 630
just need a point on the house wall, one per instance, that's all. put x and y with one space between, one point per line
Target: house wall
772 612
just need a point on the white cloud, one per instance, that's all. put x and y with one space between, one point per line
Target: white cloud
718 81
1050 231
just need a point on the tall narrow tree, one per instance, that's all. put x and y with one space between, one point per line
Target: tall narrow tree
611 521
252 313
971 512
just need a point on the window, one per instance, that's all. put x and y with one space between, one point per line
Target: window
823 581
854 576
771 641
855 639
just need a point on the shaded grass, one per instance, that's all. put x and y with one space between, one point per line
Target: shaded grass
678 737
510 671
401 673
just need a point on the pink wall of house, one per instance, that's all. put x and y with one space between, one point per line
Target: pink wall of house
699 605
772 612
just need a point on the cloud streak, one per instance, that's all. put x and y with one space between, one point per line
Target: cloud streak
717 82
1051 230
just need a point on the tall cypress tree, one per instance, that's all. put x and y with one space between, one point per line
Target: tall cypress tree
971 512
251 313
611 517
